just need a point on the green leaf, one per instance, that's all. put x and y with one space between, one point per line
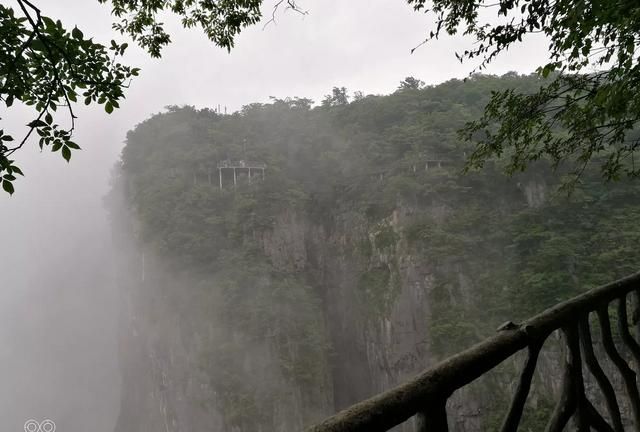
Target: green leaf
48 118
7 138
66 153
108 107
76 33
48 22
547 69
36 123
73 145
37 45
8 187
17 170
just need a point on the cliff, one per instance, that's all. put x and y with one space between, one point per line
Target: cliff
363 257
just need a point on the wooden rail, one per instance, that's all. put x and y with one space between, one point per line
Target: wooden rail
426 395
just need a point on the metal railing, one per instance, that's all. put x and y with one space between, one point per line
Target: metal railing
241 164
426 395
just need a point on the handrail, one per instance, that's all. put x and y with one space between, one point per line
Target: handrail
426 394
241 164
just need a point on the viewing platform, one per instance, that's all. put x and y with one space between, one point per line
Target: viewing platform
241 167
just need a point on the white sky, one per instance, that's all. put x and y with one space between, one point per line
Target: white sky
57 346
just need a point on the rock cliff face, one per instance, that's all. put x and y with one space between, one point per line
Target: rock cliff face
351 267
376 295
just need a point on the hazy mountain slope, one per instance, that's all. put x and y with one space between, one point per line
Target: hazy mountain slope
363 257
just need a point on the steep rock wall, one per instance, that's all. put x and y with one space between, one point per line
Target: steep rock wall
378 328
267 306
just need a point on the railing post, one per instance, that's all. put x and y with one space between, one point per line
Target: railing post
571 380
628 375
512 420
434 418
635 317
601 378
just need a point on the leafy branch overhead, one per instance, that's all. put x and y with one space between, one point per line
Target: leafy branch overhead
221 20
50 67
588 103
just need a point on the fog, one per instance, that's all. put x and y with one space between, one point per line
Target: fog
58 341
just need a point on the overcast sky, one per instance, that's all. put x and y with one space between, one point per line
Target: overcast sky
57 342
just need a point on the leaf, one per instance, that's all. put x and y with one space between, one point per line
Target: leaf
36 123
7 138
66 153
8 187
48 118
37 45
73 145
17 170
108 107
48 22
547 69
76 33
9 101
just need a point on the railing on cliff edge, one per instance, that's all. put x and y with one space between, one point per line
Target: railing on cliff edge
426 395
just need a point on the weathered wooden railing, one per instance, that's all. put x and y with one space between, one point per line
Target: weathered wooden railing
426 395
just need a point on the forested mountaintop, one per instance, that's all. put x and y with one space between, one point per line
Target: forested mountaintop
363 256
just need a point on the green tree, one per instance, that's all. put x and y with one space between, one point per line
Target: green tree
47 66
410 83
588 103
337 97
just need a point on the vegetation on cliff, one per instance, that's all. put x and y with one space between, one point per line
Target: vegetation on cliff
380 179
